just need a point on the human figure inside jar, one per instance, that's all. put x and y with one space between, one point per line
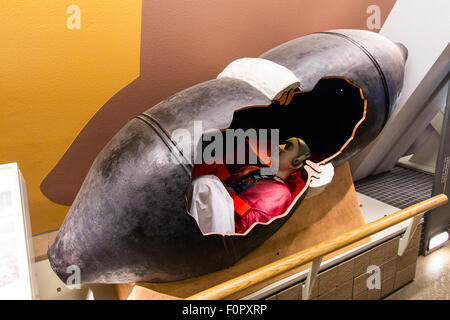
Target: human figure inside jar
245 197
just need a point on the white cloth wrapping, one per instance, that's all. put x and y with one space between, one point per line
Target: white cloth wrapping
270 78
318 184
211 205
325 177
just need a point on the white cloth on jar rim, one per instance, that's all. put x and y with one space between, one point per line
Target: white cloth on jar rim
271 78
211 205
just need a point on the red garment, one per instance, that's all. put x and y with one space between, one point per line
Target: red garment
259 203
267 199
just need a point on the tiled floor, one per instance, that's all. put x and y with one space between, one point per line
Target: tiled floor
432 280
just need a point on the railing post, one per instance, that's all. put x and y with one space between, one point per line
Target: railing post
311 278
406 238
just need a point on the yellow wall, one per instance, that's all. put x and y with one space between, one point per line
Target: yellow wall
127 56
53 80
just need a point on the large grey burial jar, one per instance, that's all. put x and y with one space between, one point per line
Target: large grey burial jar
129 222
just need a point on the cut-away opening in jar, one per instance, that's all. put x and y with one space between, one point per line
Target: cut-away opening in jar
325 118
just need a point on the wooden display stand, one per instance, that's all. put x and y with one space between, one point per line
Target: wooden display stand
319 218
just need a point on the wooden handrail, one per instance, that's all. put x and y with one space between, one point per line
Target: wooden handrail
297 259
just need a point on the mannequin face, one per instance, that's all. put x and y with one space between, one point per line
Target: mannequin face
290 150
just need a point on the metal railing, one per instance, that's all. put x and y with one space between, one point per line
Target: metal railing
314 254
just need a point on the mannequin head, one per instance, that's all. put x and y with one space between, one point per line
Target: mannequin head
291 155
